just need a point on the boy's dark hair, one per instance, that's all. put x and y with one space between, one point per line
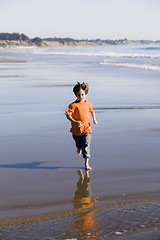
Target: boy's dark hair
79 86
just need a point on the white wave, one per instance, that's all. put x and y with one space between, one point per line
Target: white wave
133 65
151 107
104 54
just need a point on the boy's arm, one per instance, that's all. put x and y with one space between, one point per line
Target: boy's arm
78 123
94 117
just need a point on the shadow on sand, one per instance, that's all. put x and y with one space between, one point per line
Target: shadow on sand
33 165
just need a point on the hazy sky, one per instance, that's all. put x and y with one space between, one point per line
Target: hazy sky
105 19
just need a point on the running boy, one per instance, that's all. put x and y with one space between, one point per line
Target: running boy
78 113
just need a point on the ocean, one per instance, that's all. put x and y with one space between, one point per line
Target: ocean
128 74
39 165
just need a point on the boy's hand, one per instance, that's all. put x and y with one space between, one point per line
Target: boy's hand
78 123
95 122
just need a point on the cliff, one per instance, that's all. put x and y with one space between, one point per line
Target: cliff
21 40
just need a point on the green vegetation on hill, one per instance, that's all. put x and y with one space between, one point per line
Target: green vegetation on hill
13 37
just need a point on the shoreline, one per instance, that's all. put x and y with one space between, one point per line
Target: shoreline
72 43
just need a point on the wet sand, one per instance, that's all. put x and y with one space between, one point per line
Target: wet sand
11 61
40 186
150 235
133 221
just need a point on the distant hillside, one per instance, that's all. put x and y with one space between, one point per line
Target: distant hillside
21 40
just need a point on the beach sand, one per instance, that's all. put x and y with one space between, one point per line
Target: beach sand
11 61
150 235
133 221
41 189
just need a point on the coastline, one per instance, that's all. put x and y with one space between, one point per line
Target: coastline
47 44
68 42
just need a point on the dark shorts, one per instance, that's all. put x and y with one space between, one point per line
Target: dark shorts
83 143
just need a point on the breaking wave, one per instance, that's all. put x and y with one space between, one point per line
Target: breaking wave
138 60
104 54
157 107
152 67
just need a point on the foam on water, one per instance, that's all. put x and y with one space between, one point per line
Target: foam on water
152 67
145 58
104 54
128 108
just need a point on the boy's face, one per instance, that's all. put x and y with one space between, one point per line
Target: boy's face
81 95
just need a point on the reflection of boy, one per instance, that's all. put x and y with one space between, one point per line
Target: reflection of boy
78 113
86 222
83 195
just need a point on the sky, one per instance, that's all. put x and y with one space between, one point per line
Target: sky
82 19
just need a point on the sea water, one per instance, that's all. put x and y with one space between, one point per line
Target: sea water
38 158
120 75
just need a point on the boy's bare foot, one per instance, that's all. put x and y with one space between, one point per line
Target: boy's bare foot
88 168
79 151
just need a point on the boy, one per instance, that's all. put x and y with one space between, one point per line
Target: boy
78 113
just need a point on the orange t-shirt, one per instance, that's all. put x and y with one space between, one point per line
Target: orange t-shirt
80 112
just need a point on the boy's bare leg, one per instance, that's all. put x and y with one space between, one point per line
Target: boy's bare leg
79 151
87 164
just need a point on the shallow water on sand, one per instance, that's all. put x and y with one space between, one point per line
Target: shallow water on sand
38 164
114 223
